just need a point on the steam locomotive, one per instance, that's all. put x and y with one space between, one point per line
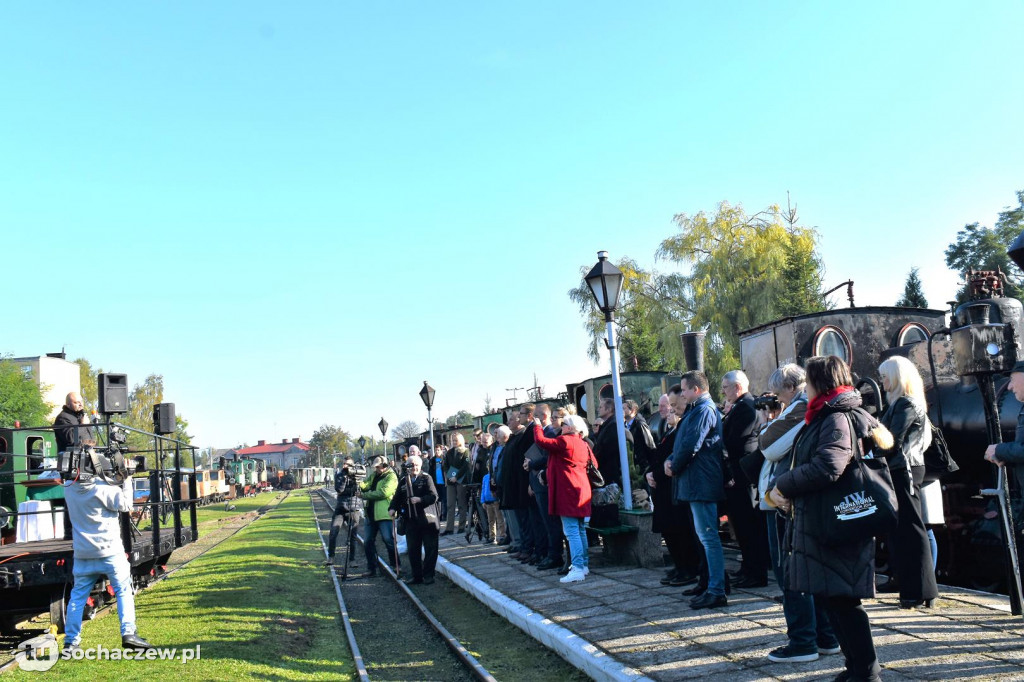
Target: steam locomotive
972 547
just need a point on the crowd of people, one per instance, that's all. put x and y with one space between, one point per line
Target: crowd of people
762 461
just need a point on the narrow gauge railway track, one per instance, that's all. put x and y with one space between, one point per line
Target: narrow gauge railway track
10 644
391 633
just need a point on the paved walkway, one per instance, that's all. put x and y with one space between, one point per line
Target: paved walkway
627 613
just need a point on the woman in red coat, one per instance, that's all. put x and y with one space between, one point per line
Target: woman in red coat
569 488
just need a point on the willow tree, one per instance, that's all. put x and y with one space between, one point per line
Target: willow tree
741 271
641 319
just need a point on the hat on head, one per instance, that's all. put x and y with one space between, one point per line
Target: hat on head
1018 367
378 461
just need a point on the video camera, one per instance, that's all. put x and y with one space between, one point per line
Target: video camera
767 401
110 464
355 471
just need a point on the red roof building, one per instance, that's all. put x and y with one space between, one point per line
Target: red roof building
288 454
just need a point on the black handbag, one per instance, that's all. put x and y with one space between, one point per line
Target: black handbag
593 473
937 460
861 504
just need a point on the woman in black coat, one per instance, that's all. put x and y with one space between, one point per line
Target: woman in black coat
841 576
416 501
907 420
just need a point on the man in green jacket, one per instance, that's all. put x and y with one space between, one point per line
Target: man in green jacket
378 489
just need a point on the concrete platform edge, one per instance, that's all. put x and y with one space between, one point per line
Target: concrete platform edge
570 646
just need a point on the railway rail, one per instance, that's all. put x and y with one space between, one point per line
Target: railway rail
364 604
7 659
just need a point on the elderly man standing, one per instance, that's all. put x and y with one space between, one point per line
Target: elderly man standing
696 467
739 432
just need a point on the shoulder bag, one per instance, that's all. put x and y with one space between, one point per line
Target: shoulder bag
861 503
937 459
593 473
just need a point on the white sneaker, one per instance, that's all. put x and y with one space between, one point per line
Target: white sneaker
574 575
586 570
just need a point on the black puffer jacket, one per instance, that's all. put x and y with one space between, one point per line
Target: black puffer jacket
822 451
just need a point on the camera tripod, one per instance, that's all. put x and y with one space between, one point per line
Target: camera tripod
477 515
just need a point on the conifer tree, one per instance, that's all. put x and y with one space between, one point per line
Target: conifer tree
913 296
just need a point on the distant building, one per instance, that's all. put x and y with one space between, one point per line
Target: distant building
288 454
55 375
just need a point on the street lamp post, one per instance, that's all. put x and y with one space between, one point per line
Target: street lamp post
605 282
427 395
383 426
362 447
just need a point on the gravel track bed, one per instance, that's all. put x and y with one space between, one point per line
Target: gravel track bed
395 641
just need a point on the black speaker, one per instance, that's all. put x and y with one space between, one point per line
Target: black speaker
163 418
113 393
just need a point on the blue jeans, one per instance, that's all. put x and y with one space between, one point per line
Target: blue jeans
576 534
807 624
370 530
86 573
705 522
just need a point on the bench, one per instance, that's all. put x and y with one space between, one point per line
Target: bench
632 541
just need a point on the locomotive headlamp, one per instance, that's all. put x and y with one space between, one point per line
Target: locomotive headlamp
1016 251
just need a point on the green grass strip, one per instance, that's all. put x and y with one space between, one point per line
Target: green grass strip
259 605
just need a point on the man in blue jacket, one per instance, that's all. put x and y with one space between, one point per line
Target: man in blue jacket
696 468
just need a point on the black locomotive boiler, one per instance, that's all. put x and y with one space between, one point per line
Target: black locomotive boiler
972 549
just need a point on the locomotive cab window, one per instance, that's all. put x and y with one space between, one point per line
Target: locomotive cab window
832 341
911 333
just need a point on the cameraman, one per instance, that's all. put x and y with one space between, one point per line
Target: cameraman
93 506
347 511
378 489
416 501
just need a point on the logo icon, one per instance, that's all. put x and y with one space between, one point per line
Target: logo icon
37 654
855 506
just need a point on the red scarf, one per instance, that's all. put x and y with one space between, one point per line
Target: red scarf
814 407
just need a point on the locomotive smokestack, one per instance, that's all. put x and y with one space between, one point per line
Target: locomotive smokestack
693 350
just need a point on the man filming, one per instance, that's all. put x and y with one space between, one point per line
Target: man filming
347 511
93 506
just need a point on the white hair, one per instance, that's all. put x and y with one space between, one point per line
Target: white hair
578 423
738 377
415 459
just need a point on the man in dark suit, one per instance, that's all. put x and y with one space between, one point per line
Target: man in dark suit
643 440
606 444
739 432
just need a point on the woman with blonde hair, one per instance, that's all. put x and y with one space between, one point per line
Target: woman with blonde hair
907 420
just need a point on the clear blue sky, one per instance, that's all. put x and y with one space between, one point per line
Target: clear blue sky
297 212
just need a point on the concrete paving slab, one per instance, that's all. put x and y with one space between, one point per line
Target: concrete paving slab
629 617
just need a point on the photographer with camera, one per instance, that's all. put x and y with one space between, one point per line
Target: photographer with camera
94 500
416 504
347 510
